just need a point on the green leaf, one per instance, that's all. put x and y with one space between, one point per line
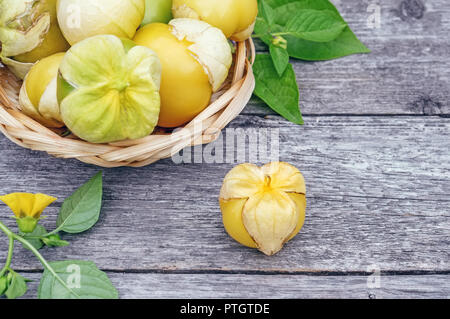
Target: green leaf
81 210
280 93
266 12
3 285
262 30
82 280
285 9
55 241
280 58
33 239
315 25
17 286
345 44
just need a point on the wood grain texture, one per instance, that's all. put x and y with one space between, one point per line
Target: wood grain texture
377 187
375 155
408 71
174 286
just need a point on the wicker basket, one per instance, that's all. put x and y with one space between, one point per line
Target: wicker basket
225 105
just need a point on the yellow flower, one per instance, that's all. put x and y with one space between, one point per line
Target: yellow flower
27 208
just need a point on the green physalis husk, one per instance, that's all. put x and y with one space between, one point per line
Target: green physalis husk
108 89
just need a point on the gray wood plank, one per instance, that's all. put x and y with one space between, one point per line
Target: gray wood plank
173 286
377 187
408 71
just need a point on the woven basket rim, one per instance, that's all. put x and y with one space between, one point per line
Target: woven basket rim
226 104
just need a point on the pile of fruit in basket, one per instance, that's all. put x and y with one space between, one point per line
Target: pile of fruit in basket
111 70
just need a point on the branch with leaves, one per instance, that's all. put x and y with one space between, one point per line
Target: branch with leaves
311 30
61 279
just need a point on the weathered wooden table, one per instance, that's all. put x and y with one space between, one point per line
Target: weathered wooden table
375 152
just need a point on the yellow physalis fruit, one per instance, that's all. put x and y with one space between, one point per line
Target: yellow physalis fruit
263 207
37 96
27 208
81 19
29 31
236 18
195 60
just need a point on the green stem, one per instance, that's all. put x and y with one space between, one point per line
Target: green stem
53 232
44 263
9 258
27 244
257 36
6 230
276 34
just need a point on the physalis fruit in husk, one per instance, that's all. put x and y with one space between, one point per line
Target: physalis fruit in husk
263 207
108 89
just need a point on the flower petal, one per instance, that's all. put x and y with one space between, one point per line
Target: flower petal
26 204
13 202
41 201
